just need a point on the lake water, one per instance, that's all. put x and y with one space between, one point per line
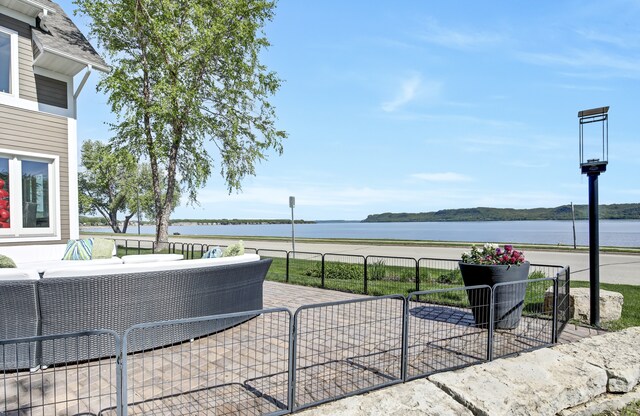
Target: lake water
621 233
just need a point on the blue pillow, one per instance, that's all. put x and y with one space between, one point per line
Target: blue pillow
78 249
212 253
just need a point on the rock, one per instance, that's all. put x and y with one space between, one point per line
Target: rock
415 398
616 352
580 306
605 403
542 382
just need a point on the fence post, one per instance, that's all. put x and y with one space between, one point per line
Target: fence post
405 339
366 261
554 323
322 271
293 347
287 269
121 384
490 325
417 275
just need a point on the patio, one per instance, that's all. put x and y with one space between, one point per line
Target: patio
340 349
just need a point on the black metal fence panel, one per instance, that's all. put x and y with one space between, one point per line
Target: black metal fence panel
304 268
344 272
346 348
447 329
521 320
73 387
386 274
241 370
278 270
130 246
563 303
437 274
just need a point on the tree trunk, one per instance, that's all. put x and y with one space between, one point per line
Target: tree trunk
162 230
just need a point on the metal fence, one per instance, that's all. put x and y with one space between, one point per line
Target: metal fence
345 348
275 362
242 370
74 387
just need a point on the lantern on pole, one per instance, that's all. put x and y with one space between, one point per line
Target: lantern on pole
594 154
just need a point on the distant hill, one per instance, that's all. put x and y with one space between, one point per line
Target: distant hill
610 212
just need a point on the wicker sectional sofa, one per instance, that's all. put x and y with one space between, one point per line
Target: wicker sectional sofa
116 297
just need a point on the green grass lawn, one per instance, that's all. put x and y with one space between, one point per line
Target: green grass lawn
630 308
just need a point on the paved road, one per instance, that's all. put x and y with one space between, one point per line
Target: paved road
614 268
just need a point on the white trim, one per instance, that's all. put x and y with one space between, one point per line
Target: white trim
31 21
11 101
46 108
19 233
14 75
75 59
74 213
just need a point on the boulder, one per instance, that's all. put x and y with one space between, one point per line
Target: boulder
580 306
617 353
542 382
415 398
606 403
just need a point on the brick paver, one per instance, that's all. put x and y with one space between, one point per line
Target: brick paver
244 370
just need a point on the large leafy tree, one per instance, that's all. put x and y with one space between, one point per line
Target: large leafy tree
108 183
186 80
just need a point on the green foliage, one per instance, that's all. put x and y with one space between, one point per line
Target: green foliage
376 270
187 78
108 183
236 249
563 212
336 270
538 274
6 262
450 277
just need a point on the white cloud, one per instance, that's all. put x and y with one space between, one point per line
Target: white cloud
458 39
587 60
442 177
408 90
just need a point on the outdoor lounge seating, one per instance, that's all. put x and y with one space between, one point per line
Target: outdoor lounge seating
116 297
45 256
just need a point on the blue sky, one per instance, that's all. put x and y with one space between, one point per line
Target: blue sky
416 106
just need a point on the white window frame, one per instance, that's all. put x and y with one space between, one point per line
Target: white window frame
13 73
17 231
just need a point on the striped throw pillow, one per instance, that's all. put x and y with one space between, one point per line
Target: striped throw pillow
78 249
212 253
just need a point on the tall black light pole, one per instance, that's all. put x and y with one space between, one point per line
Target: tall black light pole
593 167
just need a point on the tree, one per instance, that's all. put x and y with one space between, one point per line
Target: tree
186 78
115 182
108 183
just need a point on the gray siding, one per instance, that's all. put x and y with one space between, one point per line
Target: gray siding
25 56
51 91
31 131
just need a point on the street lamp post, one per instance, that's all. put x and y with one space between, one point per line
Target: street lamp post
292 204
593 165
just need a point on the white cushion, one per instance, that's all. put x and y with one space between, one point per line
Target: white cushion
26 253
150 258
44 265
147 267
19 274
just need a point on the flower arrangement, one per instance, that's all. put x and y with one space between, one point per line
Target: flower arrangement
493 254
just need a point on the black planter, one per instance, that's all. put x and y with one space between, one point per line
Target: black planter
508 299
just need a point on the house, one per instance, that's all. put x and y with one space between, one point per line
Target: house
44 63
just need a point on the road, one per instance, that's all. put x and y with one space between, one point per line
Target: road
614 268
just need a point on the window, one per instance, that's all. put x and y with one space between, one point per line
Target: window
5 62
8 62
28 194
